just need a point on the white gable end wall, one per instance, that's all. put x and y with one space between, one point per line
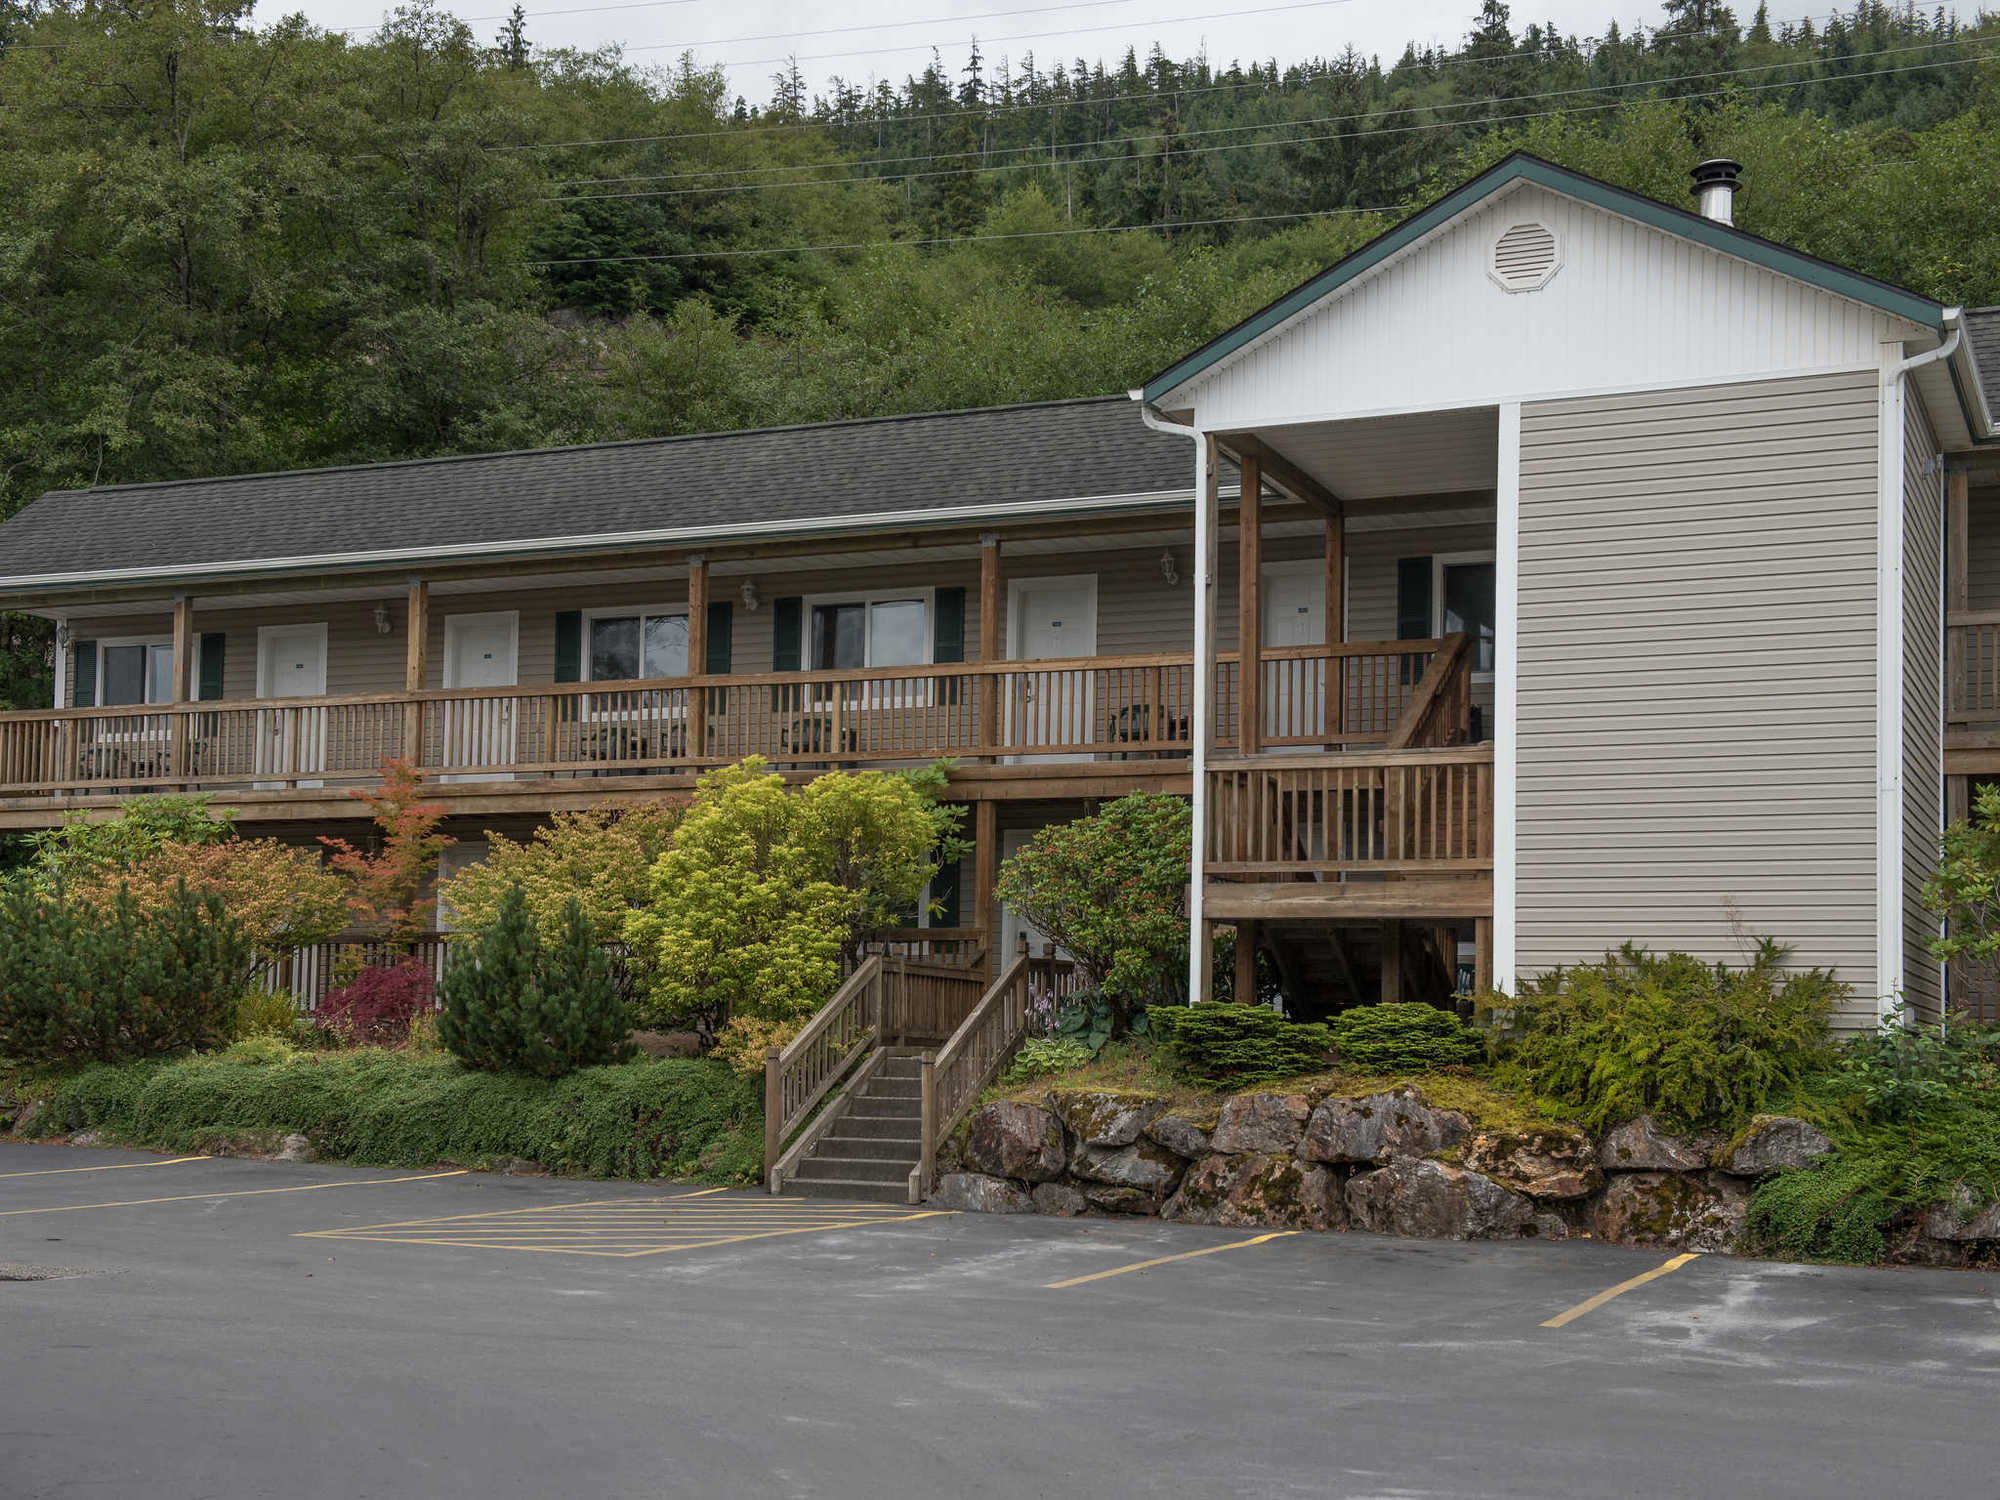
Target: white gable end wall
1630 308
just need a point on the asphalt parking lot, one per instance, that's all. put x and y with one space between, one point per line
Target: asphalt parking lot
233 1328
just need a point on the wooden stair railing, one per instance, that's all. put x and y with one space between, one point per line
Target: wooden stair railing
835 1041
953 1076
1440 709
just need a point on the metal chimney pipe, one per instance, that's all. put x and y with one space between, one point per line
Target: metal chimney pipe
1715 188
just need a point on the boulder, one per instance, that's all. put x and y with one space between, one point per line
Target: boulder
1671 1210
1121 1200
1963 1217
975 1193
1429 1200
1776 1143
25 1121
1059 1200
1272 1190
296 1148
1641 1146
1014 1140
1376 1127
1556 1161
1105 1117
1144 1165
1259 1123
1181 1135
87 1138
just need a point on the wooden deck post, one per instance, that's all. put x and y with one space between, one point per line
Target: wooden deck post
1957 581
1392 961
985 867
992 639
774 1114
416 667
1482 954
697 698
1249 615
1335 629
1246 962
178 724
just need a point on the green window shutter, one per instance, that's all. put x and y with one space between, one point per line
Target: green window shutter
719 626
210 686
83 675
569 646
1413 610
944 896
788 618
948 626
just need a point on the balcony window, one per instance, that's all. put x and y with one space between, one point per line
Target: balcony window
135 672
1465 595
845 635
652 643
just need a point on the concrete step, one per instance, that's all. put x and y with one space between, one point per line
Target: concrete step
852 1169
901 1067
879 1087
883 1127
864 1192
871 1147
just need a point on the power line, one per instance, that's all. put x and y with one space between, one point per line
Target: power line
780 36
1045 163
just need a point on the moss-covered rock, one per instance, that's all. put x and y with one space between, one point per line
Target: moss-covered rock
1376 1127
976 1193
1642 1146
1266 1190
1672 1210
1144 1165
1258 1123
1775 1143
1105 1117
1186 1135
1433 1201
1557 1162
1014 1140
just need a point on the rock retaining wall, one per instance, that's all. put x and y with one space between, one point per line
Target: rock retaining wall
1392 1163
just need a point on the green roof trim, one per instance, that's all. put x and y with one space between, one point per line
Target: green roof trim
1521 167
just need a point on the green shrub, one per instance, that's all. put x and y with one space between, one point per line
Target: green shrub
1403 1037
1040 1056
675 1117
512 1005
1899 1073
1111 891
77 982
263 1012
1700 1045
599 856
1220 1043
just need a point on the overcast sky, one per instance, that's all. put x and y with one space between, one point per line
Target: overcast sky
892 39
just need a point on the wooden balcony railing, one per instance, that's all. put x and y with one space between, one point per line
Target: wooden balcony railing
1972 667
1387 812
1349 695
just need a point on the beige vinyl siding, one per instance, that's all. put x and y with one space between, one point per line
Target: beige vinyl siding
1923 703
1697 724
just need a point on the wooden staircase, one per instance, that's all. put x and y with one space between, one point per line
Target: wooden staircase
873 1140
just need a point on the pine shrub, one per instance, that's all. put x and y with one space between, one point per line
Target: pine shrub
108 984
512 1005
1697 1044
1220 1043
1403 1037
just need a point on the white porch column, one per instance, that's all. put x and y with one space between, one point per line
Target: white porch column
1206 518
1506 689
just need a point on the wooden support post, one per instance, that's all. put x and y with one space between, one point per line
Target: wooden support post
774 1115
1246 962
986 866
1392 961
1957 583
416 667
1249 616
1335 608
992 639
697 698
1482 955
179 724
1204 939
1205 602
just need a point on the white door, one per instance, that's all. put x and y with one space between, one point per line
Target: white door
291 742
1052 619
1294 610
480 651
1011 924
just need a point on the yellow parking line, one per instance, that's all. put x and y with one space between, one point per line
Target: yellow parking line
1147 1265
503 1242
647 1206
122 1166
70 1208
1591 1304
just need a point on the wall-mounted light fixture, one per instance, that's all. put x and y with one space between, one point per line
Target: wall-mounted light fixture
383 624
750 599
1167 569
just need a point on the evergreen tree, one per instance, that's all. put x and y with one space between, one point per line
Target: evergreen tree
512 43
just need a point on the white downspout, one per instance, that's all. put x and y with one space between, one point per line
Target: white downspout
1890 644
1204 547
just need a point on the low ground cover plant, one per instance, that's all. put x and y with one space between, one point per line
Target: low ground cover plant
514 1004
1222 1044
1404 1037
1698 1045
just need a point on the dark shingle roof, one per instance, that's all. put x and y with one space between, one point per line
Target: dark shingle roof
896 467
1982 331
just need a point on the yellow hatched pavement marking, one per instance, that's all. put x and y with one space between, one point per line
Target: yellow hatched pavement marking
1591 1304
636 1228
309 1187
1162 1260
122 1166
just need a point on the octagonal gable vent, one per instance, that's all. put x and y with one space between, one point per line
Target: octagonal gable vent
1525 257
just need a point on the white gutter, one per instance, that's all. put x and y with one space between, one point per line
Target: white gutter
1890 631
604 541
1204 688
